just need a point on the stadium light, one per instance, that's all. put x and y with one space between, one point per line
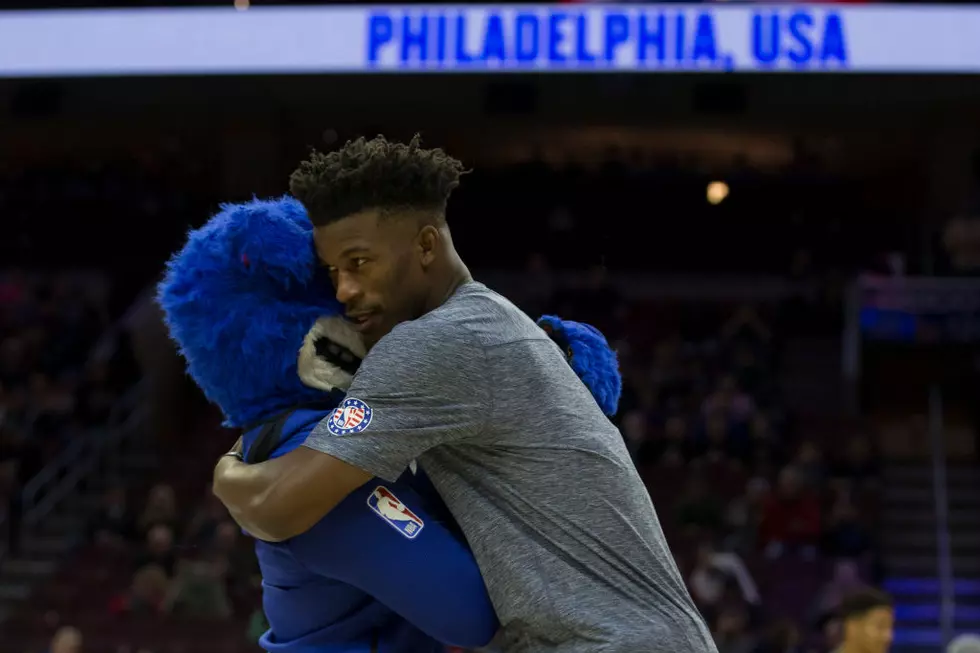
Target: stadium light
717 192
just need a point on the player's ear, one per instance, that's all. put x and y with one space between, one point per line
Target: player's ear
427 241
331 353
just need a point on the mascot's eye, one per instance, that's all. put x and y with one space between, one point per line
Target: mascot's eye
358 262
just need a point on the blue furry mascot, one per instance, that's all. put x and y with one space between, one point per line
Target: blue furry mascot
387 571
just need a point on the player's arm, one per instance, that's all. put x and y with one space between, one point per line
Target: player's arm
416 567
422 385
283 497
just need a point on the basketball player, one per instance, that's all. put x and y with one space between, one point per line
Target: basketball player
464 382
867 620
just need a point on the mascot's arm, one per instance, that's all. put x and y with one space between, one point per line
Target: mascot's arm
382 540
421 384
590 355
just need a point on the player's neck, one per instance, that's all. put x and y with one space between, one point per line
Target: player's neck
454 275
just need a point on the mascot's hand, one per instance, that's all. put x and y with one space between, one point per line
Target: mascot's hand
590 355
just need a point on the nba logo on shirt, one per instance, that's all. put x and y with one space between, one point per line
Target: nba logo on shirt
387 506
352 416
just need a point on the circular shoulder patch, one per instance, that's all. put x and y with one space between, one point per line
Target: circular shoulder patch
352 416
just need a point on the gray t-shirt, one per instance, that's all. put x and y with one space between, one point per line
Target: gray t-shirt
537 477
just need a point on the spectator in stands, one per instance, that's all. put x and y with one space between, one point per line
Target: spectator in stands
729 401
634 430
52 404
961 240
13 290
844 535
13 409
242 566
159 549
717 444
66 640
809 463
730 631
859 465
13 361
846 580
790 517
148 594
748 370
198 590
161 509
10 509
744 514
699 510
677 447
203 526
782 637
714 571
667 370
763 452
96 396
746 327
114 526
20 460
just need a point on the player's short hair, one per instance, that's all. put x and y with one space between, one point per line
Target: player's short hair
375 174
858 604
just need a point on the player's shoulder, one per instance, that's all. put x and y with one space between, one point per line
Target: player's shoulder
485 317
474 319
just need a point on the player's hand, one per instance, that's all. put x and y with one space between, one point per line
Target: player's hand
236 490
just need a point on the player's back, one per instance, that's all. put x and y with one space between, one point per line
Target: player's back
556 514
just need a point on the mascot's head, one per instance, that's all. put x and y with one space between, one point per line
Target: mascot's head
255 315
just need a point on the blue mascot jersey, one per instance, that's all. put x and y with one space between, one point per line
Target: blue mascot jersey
384 572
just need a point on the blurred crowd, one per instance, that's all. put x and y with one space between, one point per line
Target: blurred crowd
199 567
54 384
74 211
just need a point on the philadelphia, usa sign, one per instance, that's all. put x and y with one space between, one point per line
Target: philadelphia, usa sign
498 39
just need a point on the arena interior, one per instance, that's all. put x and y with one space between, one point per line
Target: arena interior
786 263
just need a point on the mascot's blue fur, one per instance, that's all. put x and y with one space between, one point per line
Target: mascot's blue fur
247 288
590 357
248 303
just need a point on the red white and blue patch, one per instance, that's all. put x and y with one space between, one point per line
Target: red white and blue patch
352 416
387 506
